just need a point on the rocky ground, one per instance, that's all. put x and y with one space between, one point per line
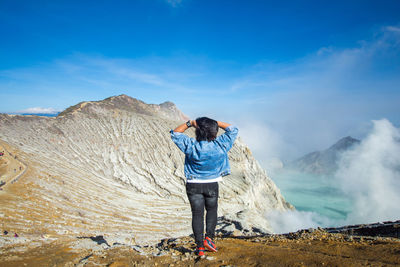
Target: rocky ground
313 247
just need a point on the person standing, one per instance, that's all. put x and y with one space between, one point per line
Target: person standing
206 162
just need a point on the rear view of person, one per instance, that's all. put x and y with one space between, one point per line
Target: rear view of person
206 162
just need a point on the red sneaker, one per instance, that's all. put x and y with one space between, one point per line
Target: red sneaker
209 244
199 251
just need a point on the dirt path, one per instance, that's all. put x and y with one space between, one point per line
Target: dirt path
11 167
317 249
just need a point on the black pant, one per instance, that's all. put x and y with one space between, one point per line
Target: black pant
200 196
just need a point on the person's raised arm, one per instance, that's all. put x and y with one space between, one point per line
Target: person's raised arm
184 126
223 125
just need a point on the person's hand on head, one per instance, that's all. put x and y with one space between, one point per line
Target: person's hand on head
193 123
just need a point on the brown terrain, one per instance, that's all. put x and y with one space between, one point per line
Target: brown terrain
304 248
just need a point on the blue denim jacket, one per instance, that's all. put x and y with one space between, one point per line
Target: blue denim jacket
206 160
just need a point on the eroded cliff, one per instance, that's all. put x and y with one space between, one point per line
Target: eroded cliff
109 167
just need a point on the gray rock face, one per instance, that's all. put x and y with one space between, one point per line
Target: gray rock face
110 167
323 162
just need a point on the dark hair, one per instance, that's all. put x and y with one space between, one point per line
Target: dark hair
206 130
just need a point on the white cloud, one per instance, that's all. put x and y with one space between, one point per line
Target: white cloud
38 110
103 69
370 175
393 29
265 143
174 3
324 50
293 220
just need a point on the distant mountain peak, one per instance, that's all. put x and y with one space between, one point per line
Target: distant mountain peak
168 104
122 99
325 161
166 110
344 143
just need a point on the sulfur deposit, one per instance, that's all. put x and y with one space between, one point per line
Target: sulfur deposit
109 168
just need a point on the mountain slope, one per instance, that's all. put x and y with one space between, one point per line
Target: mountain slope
109 167
323 162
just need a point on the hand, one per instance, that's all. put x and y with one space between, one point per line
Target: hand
193 123
223 125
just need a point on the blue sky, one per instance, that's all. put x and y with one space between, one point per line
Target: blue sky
295 75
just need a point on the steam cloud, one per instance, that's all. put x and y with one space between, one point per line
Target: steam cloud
291 221
370 175
265 142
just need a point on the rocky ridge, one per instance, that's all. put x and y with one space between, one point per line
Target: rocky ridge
325 161
109 168
166 110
